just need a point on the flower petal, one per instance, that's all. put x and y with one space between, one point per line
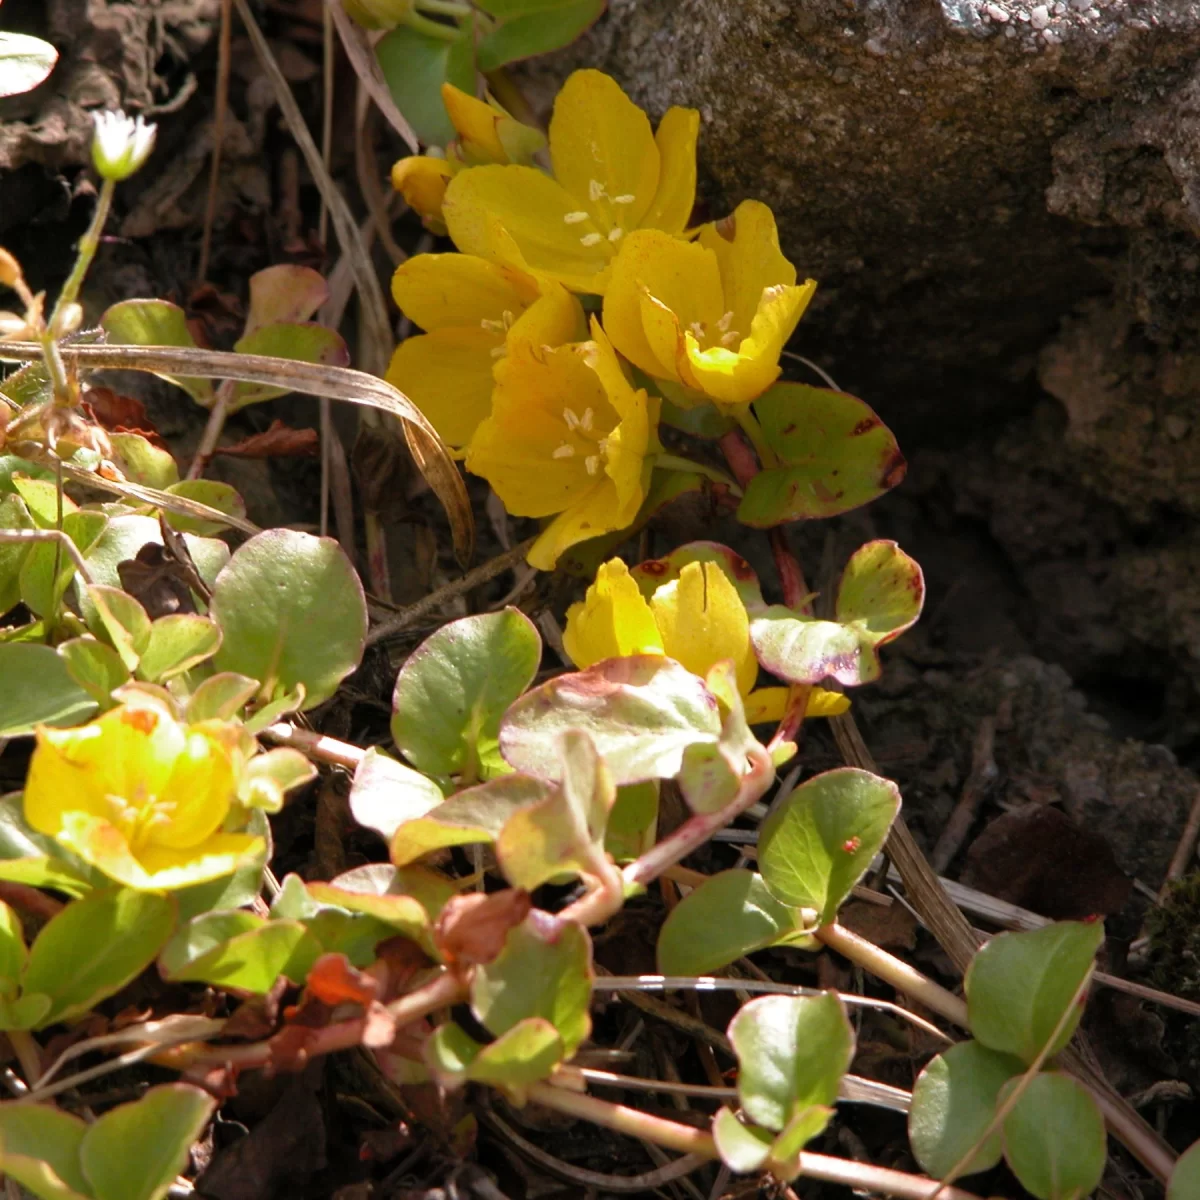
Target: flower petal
553 320
747 249
198 794
612 621
104 846
57 782
518 216
422 180
676 195
220 855
475 123
590 515
448 376
519 448
603 151
765 705
439 290
737 377
680 277
702 621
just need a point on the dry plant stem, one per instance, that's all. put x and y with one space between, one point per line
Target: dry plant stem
338 383
316 746
1184 849
892 970
686 1140
224 57
212 430
407 617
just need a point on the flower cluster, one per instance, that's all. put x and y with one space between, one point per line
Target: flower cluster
151 802
557 412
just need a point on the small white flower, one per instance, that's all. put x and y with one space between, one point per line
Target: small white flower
121 145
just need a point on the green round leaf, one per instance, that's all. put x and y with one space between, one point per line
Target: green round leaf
156 323
633 821
792 1052
33 1135
455 687
135 1151
415 65
953 1103
301 342
836 455
544 970
94 947
284 293
235 949
642 713
529 27
25 61
743 1148
1020 985
97 668
38 690
291 611
212 492
729 915
177 642
817 844
1054 1138
1185 1179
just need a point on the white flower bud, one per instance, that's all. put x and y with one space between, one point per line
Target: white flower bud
121 145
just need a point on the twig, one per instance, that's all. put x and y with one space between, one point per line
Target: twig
316 746
481 574
1184 849
983 771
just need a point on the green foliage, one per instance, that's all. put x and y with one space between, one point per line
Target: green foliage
1021 986
454 688
25 62
836 455
1054 1138
231 949
415 64
292 614
818 843
880 596
529 27
1185 1179
38 690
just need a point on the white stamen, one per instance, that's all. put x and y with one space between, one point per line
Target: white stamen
724 323
571 418
595 190
588 418
592 462
697 327
628 198
731 338
492 326
499 351
566 450
615 233
591 239
573 218
506 319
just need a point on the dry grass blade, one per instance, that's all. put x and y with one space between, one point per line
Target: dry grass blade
338 383
366 67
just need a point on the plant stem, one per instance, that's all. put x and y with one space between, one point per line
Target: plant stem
316 746
446 8
433 29
892 970
88 245
673 462
753 430
597 906
27 1052
688 1140
212 430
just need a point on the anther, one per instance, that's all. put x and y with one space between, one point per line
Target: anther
595 190
573 218
697 327
566 450
592 463
591 239
586 423
615 233
724 323
731 338
627 198
571 418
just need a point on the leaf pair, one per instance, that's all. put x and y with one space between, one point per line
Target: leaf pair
1023 999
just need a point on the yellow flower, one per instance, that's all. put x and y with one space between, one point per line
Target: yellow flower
712 315
140 796
486 134
473 311
698 619
567 435
611 176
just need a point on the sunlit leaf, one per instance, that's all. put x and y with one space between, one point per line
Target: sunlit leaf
1020 985
39 1149
97 668
25 61
743 1148
456 685
728 915
953 1102
38 690
529 27
820 840
302 342
177 642
386 793
156 323
232 949
415 65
